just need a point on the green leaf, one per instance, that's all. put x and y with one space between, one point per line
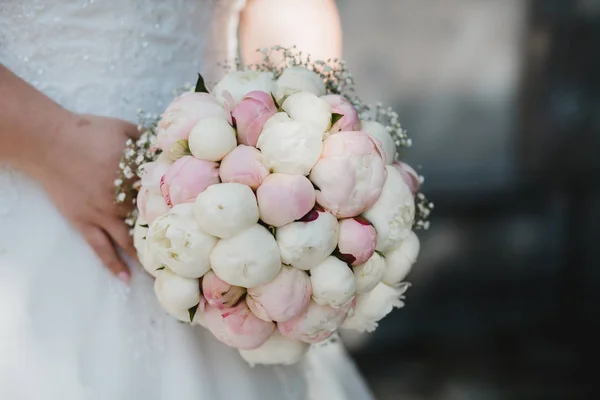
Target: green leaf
336 117
144 238
274 100
192 312
380 253
200 85
161 268
144 225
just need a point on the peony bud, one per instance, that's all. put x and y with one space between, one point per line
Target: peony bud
244 165
409 175
276 350
239 83
393 213
177 241
299 79
289 146
400 260
151 204
316 324
237 327
284 198
379 132
332 283
369 274
187 178
175 292
153 172
140 242
220 294
342 106
251 114
249 259
306 243
212 138
182 115
306 107
357 240
373 306
283 298
350 174
226 209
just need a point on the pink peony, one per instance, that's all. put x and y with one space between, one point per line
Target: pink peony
237 327
357 240
284 198
182 115
283 298
250 115
153 172
409 175
220 294
151 204
244 165
341 105
316 324
187 178
349 174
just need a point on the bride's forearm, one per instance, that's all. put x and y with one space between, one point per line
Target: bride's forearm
29 122
311 25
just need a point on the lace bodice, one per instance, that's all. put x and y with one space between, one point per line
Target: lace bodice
111 57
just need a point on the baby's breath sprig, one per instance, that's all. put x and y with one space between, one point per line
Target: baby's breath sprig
136 153
422 212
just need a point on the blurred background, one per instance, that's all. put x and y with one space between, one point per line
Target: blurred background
502 101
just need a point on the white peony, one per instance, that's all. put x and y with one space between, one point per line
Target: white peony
212 139
400 260
373 306
239 83
288 146
369 274
379 132
299 79
147 259
306 107
249 259
393 213
305 244
226 209
276 350
176 293
176 240
332 282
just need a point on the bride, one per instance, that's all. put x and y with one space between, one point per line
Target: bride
73 74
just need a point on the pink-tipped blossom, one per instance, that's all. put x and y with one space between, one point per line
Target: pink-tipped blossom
409 175
151 204
237 327
283 298
220 294
357 240
316 324
284 198
187 178
349 174
342 106
244 165
182 115
250 115
153 172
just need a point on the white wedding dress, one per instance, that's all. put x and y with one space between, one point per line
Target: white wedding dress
68 329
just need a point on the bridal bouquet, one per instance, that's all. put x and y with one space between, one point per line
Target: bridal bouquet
273 209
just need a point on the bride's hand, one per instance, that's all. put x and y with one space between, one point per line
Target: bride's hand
79 171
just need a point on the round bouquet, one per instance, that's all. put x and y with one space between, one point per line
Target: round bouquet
273 209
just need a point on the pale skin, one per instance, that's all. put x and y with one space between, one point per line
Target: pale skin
74 157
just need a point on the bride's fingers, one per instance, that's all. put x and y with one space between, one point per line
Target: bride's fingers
104 248
119 233
131 130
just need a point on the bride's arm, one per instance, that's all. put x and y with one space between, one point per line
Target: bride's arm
312 25
73 156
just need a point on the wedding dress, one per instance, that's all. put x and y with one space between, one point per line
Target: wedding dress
69 330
